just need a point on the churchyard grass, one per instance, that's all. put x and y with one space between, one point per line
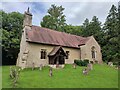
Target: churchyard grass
102 76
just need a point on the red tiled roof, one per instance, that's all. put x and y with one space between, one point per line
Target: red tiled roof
48 36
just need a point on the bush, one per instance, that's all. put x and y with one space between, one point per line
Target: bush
96 61
81 62
78 62
115 63
91 62
86 61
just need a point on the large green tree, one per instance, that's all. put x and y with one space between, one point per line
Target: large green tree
55 18
11 35
86 28
118 21
111 28
93 27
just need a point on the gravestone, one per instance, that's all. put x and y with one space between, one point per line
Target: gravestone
85 71
90 66
33 66
110 64
50 72
40 68
74 65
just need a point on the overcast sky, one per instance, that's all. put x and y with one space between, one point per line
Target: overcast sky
75 12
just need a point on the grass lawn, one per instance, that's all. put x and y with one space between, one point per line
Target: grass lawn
0 77
102 76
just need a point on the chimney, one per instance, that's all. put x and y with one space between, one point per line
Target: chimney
27 18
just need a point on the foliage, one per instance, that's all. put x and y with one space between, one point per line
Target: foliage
106 35
55 18
93 27
81 62
111 28
11 34
14 75
64 78
86 61
76 30
91 62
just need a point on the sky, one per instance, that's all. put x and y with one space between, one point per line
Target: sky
75 12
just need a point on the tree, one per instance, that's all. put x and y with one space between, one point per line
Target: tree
95 29
110 25
55 18
111 28
76 30
86 28
11 35
92 27
118 26
119 10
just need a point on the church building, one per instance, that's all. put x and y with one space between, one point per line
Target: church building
49 47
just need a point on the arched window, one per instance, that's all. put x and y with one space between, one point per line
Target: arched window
93 52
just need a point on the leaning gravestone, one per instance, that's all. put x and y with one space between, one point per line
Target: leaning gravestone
110 64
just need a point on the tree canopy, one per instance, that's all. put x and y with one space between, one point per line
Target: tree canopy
11 35
111 37
55 18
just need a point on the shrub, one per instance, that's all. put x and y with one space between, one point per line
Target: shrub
78 62
91 62
86 61
115 63
96 61
81 62
14 74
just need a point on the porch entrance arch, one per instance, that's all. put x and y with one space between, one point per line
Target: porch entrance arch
57 56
